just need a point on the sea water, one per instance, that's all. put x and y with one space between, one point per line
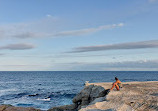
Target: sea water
46 89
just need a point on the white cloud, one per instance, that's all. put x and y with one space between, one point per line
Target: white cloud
23 31
48 15
130 45
31 29
88 30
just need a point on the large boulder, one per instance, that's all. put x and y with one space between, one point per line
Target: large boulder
84 98
96 92
85 93
88 94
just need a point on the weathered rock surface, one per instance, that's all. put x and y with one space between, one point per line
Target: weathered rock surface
100 99
134 96
86 96
71 107
12 108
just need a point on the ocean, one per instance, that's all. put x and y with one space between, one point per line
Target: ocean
46 89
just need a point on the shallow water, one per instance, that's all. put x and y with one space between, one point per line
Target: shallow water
45 89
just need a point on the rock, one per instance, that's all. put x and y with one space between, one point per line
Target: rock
134 96
97 91
100 110
12 108
55 109
86 83
77 98
110 110
71 107
88 94
84 106
100 99
85 93
84 102
3 107
79 107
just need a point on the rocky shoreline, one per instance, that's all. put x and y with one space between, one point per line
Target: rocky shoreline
134 96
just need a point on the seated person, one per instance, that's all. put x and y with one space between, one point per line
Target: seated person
116 84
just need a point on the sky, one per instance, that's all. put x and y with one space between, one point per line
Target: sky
78 35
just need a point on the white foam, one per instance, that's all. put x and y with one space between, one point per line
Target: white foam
45 99
7 91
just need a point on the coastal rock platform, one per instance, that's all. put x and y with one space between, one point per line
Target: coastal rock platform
134 96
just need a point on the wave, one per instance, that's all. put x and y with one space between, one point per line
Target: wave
65 95
13 96
5 91
58 94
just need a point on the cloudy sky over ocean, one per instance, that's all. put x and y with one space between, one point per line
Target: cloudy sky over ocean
79 35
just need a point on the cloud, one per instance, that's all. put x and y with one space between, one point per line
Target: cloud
25 35
121 46
134 64
22 46
48 15
88 30
140 65
24 31
1 54
29 29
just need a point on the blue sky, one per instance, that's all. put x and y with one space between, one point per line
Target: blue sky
78 35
